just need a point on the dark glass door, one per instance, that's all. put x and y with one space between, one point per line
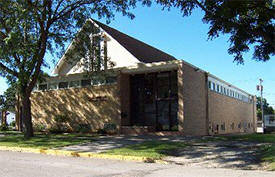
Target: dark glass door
167 101
154 100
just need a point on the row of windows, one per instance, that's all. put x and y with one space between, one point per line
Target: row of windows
75 83
226 91
222 127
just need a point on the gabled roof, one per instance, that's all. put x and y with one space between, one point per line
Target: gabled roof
143 52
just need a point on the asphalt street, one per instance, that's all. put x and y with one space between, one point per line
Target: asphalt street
16 164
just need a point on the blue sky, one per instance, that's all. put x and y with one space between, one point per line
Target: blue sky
186 39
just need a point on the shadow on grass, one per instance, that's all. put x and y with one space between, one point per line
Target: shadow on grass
43 140
152 149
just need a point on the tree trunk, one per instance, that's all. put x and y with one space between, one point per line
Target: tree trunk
4 118
26 116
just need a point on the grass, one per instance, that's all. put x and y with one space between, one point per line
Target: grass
45 141
262 138
154 150
266 152
268 156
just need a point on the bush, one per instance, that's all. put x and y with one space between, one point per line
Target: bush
60 124
4 128
109 128
101 131
13 124
59 129
83 128
39 127
61 119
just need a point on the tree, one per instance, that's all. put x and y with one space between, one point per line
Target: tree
248 22
7 102
30 28
90 48
267 109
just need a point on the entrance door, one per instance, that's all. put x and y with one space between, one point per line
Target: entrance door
154 100
167 101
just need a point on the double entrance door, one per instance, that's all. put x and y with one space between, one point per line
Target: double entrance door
154 100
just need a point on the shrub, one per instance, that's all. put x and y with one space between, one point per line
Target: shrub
13 124
101 131
60 124
109 128
59 129
39 127
83 128
4 128
61 119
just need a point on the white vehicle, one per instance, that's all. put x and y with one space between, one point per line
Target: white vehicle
269 123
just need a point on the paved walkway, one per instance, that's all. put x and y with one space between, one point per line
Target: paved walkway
104 143
214 154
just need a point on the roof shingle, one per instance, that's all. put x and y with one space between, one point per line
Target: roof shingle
143 52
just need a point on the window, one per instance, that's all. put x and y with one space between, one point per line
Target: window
113 79
223 127
218 88
35 88
224 90
271 119
240 125
97 81
74 84
42 87
221 89
228 92
63 84
213 86
209 84
232 126
52 86
86 82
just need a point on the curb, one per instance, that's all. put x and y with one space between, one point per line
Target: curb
81 154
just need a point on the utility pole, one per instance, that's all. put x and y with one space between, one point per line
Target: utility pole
261 88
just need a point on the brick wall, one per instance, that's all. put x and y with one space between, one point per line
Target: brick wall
229 115
194 101
94 106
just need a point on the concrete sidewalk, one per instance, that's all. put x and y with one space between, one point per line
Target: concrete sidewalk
104 143
213 154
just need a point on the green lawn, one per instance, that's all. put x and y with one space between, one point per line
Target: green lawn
266 153
154 150
47 141
262 138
